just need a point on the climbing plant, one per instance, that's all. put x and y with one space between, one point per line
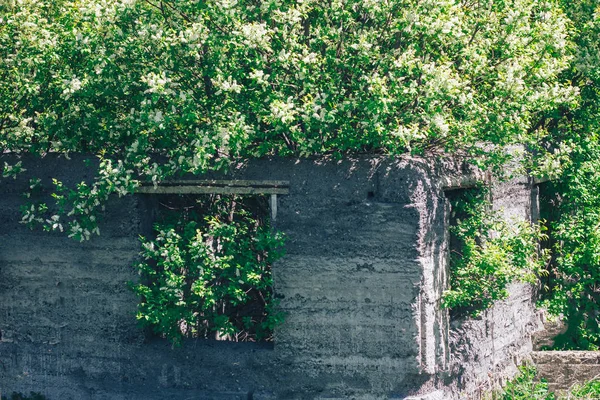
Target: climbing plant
572 291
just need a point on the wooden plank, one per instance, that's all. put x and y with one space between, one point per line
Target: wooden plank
210 190
470 181
542 179
223 183
465 181
273 207
460 182
234 186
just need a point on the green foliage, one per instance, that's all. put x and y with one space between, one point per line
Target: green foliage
525 386
77 210
160 88
574 138
573 289
491 253
589 390
11 171
208 271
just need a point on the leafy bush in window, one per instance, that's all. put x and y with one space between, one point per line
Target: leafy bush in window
208 273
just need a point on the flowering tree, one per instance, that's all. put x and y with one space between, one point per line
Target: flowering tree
204 83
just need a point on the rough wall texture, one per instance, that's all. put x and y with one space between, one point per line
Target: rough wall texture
361 284
563 369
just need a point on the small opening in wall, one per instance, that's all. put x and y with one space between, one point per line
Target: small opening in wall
457 214
207 268
456 244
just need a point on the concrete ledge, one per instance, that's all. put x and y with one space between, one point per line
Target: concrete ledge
563 369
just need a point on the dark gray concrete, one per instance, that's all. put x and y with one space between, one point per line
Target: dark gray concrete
361 284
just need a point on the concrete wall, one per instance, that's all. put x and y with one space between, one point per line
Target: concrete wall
361 284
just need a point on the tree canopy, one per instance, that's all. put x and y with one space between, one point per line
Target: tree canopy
203 82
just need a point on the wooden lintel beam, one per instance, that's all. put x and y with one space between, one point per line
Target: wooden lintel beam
542 179
216 187
461 182
234 182
470 181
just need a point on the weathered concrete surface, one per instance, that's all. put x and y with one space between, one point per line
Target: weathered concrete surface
360 312
563 369
361 284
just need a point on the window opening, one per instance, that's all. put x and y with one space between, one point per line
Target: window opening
206 273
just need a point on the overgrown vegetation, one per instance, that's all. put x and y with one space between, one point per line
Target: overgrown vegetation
488 253
527 386
161 88
207 273
574 138
589 390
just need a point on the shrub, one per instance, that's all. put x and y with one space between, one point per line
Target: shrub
208 272
525 386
